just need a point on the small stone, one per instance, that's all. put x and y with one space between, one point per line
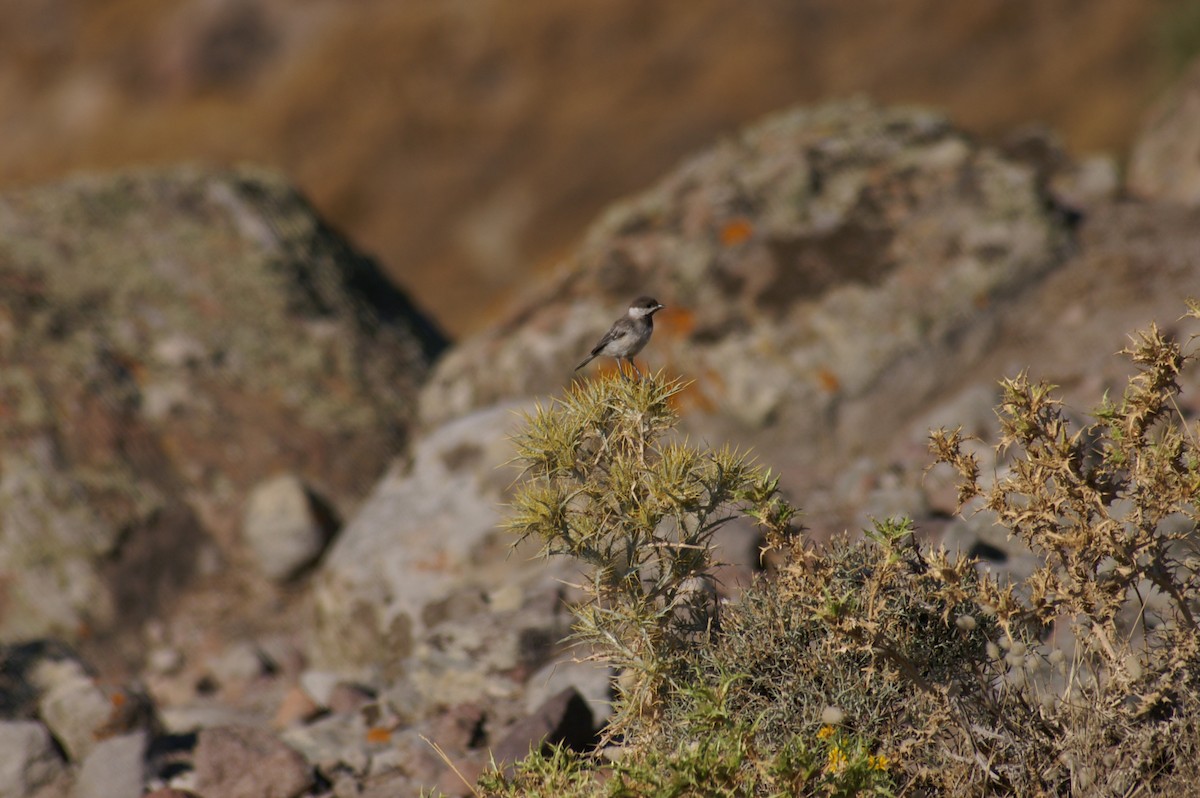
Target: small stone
405 701
564 718
30 759
241 662
164 660
347 698
593 681
115 768
319 685
337 741
204 715
281 527
244 762
75 708
1089 182
409 754
457 727
295 707
178 350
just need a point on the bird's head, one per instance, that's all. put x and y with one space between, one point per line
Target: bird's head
644 306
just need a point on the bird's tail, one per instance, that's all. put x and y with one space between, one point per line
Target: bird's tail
587 360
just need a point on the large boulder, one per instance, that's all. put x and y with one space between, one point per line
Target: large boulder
803 262
168 339
425 550
827 273
834 273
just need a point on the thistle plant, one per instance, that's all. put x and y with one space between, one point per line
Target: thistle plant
608 482
1112 509
880 665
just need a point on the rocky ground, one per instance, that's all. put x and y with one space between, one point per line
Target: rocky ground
249 505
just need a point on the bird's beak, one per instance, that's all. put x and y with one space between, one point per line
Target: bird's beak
660 306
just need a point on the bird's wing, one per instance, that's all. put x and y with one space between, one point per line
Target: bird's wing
614 332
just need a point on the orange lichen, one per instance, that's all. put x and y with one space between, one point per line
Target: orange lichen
736 231
828 380
675 322
379 734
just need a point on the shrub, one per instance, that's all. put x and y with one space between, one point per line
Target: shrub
880 665
603 485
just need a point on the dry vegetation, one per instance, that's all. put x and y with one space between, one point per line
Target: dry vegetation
468 142
881 666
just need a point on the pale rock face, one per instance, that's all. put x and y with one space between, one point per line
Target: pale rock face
170 338
73 706
1165 162
30 760
800 265
415 543
115 768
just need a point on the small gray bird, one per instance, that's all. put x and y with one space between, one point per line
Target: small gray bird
628 334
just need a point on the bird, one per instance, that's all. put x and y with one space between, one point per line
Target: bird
628 334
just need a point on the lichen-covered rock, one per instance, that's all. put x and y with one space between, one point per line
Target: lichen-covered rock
801 261
244 762
425 548
168 338
30 760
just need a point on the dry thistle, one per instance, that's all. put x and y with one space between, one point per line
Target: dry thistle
605 485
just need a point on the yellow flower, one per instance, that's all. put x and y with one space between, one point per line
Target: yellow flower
837 760
825 733
880 762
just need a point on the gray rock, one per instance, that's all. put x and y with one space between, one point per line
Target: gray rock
821 255
243 762
29 759
591 680
164 660
49 546
281 527
319 685
239 663
828 273
169 335
562 718
115 768
207 715
73 706
334 741
427 533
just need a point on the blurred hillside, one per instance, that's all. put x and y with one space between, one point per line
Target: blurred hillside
466 143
